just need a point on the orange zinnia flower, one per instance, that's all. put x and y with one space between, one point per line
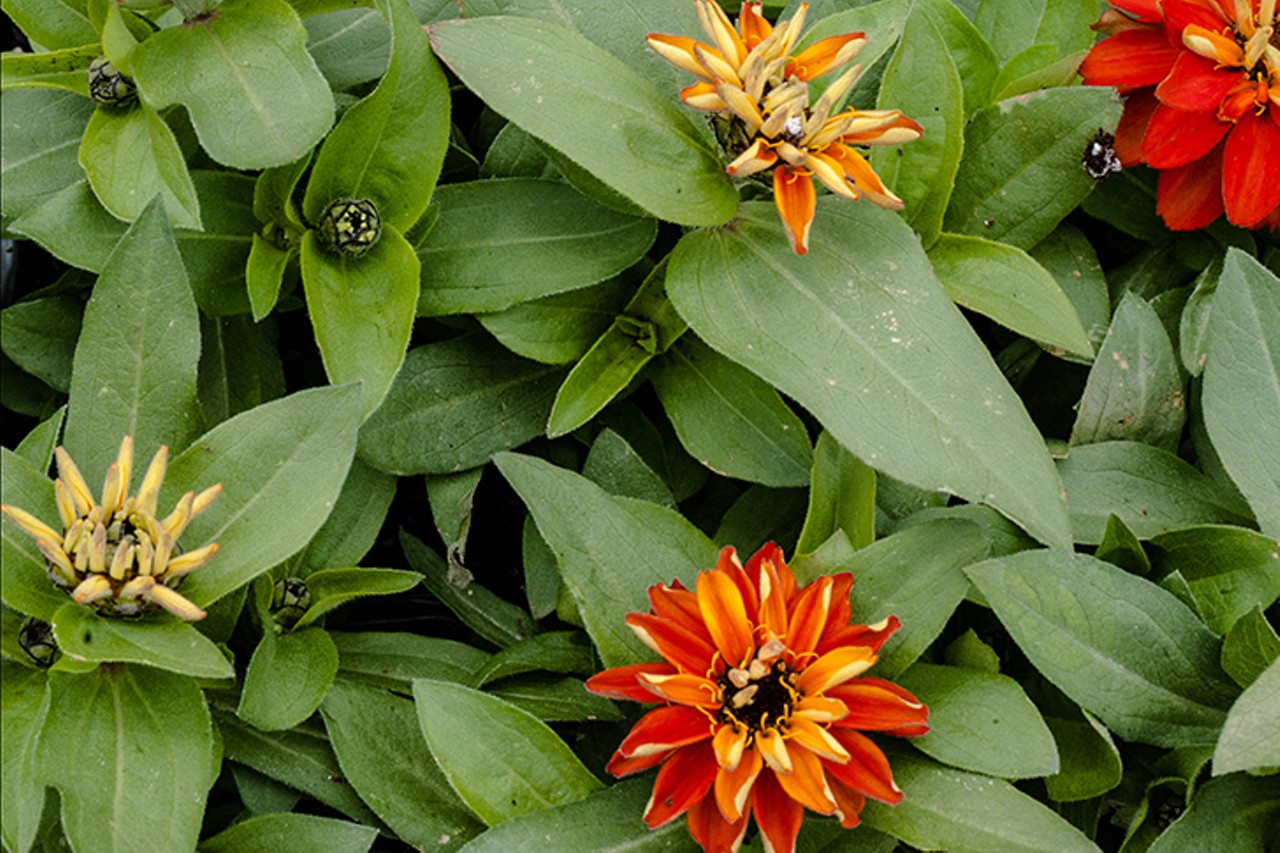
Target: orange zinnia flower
759 93
761 703
1202 80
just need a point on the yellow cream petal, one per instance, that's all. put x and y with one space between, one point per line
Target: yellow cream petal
835 667
816 739
91 589
70 474
831 175
60 562
151 482
773 749
177 520
190 561
741 105
66 503
173 602
729 743
755 159
715 65
32 526
678 50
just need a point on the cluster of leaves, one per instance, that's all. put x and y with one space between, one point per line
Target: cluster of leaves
587 313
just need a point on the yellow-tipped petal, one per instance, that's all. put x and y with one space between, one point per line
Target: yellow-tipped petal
177 520
1216 46
773 749
678 50
832 176
59 562
122 561
164 547
683 689
70 474
91 589
826 55
794 196
733 785
32 526
807 783
145 555
190 561
755 159
204 499
822 107
820 709
98 550
66 503
815 738
716 66
729 743
717 26
740 105
116 485
150 488
172 601
703 96
835 667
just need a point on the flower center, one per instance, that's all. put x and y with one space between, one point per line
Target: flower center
761 694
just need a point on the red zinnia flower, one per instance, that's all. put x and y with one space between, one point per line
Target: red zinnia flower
761 703
1202 79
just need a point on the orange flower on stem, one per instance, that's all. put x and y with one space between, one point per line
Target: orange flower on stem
758 92
1202 86
761 704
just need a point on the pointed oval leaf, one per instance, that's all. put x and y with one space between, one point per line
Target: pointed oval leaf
394 660
1224 816
331 588
161 640
23 704
40 133
1250 738
502 761
553 82
291 833
559 329
24 583
287 678
870 344
842 497
1229 570
1118 645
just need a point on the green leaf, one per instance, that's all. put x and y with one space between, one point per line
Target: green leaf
86 246
57 24
291 833
40 336
240 367
972 55
493 618
615 466
1242 382
23 706
130 156
1250 739
282 466
57 69
648 326
981 721
362 310
353 526
1020 174
554 651
450 497
842 497
264 274
1121 547
1150 490
1249 647
379 743
24 583
506 241
135 364
610 549
287 678
388 148
1226 815
161 640
559 329
857 339
1135 388
607 821
552 83
37 447
541 571
248 115
216 256
502 761
1228 570
1118 645
1007 285
454 404
1068 256
968 813
112 727
921 80
1091 762
39 135
556 699
1193 324
730 420
331 588
394 660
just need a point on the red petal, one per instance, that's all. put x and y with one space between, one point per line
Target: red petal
1177 137
619 765
1190 196
663 729
1131 58
1251 169
623 682
809 616
874 636
709 828
1179 14
729 564
849 802
682 649
867 770
1143 10
1138 108
880 706
684 779
778 816
1197 84
770 552
679 605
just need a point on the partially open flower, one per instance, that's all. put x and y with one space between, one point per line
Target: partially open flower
762 704
759 93
115 554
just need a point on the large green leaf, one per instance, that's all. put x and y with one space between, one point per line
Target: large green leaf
1250 738
1007 285
389 147
455 404
559 329
58 69
379 743
362 310
973 56
968 813
610 549
24 583
162 641
1228 570
331 588
123 741
86 246
502 242
23 705
291 833
870 344
282 466
57 24
1241 394
253 92
1226 816
287 678
40 336
39 135
394 660
842 497
1118 645
1249 647
135 365
553 83
1020 174
1069 257
502 761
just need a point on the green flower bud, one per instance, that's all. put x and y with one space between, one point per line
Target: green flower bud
109 86
350 226
289 600
36 639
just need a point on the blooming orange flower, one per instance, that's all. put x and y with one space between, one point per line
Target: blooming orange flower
1202 80
759 94
761 703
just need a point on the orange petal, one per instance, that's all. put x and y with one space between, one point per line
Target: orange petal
665 728
684 778
796 200
773 600
733 786
809 615
710 829
619 765
806 783
623 682
773 749
730 743
867 770
679 606
823 55
752 25
778 816
678 50
1132 58
880 706
730 565
820 709
716 25
723 610
849 802
814 738
702 96
684 689
871 636
861 173
835 667
758 157
682 649
770 552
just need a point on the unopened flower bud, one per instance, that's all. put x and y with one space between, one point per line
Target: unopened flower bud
350 226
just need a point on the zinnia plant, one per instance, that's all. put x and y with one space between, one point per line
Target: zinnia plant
762 703
1202 86
758 92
